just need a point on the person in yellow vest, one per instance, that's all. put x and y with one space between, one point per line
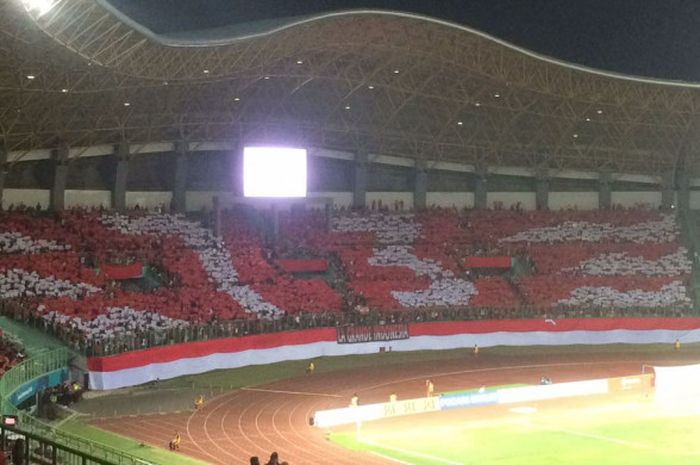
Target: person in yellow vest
175 442
429 388
392 398
677 345
310 368
355 400
199 402
475 351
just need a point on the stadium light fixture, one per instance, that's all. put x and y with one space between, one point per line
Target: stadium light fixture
39 7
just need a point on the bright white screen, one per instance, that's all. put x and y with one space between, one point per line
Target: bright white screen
274 172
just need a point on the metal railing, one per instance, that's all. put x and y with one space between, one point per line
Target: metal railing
42 365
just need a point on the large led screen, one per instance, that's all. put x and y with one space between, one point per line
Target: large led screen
274 172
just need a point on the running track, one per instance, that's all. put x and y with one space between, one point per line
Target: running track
236 425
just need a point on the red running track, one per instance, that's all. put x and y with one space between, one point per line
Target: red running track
234 426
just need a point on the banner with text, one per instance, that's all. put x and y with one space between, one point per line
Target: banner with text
376 333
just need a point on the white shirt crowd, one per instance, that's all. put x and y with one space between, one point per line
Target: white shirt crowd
398 233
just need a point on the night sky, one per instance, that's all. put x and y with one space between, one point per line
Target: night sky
656 38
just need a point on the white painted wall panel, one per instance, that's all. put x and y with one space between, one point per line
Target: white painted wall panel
388 199
88 198
632 199
526 199
340 199
28 197
148 200
195 200
450 199
695 200
578 200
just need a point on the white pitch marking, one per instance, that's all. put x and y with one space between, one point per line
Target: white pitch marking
409 452
386 457
295 393
621 442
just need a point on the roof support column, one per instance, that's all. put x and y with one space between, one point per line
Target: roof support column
359 198
420 189
481 186
542 188
667 190
683 191
604 190
121 152
180 184
60 177
3 170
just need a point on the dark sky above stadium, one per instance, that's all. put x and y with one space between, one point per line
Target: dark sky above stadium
655 38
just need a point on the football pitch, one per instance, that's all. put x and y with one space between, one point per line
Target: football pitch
626 433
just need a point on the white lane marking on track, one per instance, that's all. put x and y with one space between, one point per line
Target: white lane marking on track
412 453
293 393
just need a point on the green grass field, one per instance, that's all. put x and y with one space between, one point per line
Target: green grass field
573 438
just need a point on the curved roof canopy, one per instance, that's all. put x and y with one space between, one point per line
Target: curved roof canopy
80 74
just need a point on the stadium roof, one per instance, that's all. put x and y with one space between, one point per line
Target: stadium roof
82 74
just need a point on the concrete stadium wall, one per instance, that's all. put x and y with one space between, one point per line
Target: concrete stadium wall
215 169
196 200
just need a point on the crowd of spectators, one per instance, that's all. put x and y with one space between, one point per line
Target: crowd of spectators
385 266
10 354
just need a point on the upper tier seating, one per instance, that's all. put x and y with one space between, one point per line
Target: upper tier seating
384 261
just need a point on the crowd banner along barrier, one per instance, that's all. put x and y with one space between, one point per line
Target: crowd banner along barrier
376 333
165 362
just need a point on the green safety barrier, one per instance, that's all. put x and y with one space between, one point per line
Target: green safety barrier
26 374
